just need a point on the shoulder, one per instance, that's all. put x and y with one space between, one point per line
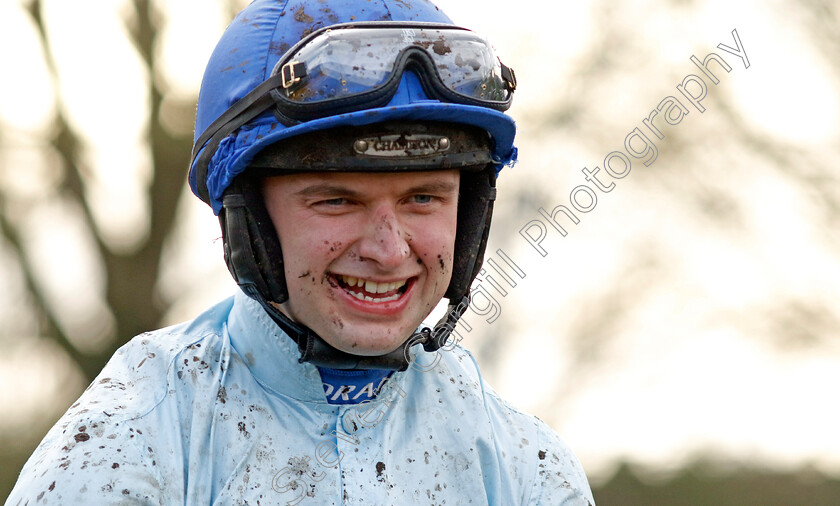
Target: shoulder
556 475
141 372
99 451
560 478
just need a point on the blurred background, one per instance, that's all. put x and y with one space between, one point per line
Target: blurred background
683 337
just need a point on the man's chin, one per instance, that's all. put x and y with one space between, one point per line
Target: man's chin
369 346
363 338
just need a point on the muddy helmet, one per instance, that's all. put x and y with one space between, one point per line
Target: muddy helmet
311 85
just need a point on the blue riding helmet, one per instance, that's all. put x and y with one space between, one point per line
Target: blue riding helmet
260 36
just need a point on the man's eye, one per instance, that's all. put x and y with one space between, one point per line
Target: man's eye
334 202
422 199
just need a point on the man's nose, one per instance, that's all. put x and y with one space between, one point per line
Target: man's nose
385 241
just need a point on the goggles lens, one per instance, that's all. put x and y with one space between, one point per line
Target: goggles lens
344 62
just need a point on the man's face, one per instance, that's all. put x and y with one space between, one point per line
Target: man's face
367 256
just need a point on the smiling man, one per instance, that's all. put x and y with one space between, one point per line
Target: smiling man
350 149
369 255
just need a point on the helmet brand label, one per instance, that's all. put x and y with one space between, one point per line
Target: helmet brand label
401 145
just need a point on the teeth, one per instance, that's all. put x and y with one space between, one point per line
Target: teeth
373 287
368 298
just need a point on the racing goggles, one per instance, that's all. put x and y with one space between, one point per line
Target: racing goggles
357 66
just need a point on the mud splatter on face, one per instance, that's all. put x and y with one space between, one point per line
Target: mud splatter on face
337 322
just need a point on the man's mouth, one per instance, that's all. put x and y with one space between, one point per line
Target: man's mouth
371 291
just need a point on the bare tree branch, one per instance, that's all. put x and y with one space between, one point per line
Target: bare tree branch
131 277
45 315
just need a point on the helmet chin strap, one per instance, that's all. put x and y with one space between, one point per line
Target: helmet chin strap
315 350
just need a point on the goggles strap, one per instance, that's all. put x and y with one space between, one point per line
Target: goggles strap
236 109
244 110
509 76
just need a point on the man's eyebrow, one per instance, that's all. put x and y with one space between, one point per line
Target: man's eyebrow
326 189
319 189
434 187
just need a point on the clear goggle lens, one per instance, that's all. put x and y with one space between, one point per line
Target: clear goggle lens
350 61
